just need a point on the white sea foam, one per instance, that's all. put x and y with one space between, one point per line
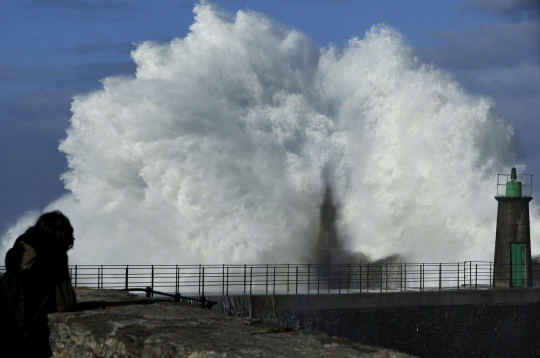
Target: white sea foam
220 147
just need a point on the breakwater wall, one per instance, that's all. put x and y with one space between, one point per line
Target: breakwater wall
484 323
112 323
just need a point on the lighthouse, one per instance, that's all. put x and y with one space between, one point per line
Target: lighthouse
512 264
328 232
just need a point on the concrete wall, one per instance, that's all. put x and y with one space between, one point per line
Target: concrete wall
488 323
113 323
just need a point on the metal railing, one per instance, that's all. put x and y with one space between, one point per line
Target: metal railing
524 179
176 297
201 280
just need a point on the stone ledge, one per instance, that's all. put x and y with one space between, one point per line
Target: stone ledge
140 327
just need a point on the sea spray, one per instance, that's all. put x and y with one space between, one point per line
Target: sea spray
220 148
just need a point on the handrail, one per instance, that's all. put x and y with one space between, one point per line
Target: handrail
177 296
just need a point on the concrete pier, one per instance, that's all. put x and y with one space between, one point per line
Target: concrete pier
465 323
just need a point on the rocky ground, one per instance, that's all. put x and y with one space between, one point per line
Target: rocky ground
118 324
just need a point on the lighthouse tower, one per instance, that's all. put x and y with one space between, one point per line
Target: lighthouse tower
512 264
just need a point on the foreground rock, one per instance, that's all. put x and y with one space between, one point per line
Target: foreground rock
117 324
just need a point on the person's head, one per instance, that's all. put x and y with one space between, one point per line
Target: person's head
56 225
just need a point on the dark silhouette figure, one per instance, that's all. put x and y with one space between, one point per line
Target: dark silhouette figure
328 232
38 263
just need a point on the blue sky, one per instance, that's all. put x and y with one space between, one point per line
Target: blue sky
54 49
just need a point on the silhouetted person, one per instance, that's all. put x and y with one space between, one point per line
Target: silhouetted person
39 256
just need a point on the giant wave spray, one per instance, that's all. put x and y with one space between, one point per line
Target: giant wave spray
220 147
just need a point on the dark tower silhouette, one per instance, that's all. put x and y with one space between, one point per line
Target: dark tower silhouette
512 264
328 232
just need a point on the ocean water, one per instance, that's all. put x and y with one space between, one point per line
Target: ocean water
219 148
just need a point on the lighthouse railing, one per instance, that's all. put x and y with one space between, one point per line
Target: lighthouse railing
524 179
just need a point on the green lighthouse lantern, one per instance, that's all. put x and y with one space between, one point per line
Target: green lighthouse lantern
513 187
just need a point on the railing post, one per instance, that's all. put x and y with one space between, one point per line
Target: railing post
203 281
476 276
348 278
223 279
386 279
470 274
199 279
458 276
250 279
420 277
308 276
274 282
318 278
380 267
360 278
405 277
423 283
227 280
177 276
329 278
367 277
287 278
75 275
267 279
296 279
102 277
127 274
152 281
339 279
245 278
490 281
400 278
440 274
